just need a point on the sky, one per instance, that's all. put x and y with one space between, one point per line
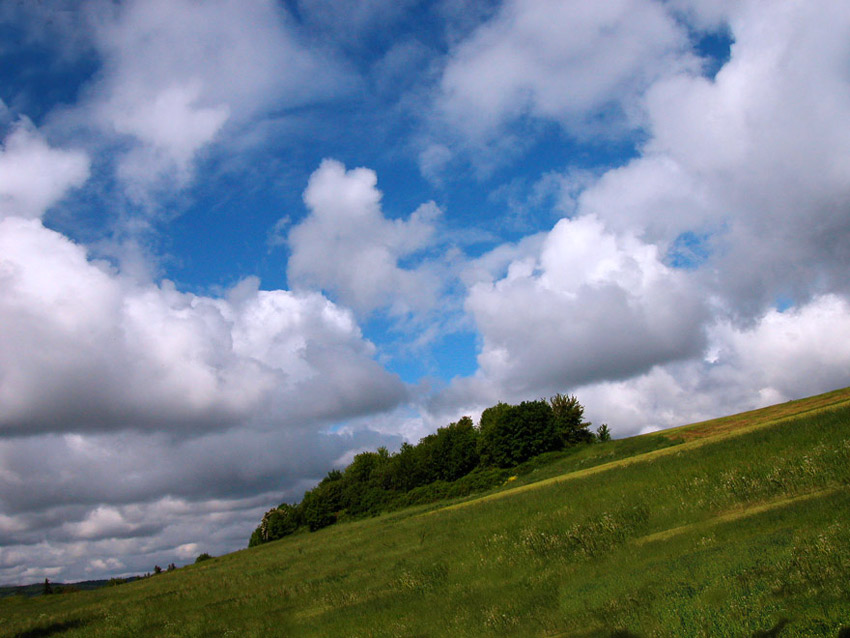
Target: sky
242 241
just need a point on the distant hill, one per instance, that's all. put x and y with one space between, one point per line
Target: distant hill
37 589
733 527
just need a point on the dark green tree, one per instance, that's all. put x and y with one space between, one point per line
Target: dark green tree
569 420
512 434
410 467
490 421
321 505
455 450
256 537
279 522
363 492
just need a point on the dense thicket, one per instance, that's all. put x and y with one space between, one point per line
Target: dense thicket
456 460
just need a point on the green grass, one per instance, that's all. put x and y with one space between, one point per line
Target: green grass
724 528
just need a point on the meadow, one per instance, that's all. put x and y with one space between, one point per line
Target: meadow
732 527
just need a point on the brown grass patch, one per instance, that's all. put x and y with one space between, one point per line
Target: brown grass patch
762 416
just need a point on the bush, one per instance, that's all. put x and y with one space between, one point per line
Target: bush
202 557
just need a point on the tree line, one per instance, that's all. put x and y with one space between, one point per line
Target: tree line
456 460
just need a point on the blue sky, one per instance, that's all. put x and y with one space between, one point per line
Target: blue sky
242 241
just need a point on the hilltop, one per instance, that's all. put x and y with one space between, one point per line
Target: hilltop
730 527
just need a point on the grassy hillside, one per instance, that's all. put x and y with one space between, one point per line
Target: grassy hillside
732 527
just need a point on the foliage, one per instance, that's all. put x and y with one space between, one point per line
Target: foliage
320 506
516 433
603 434
202 557
488 425
569 414
435 468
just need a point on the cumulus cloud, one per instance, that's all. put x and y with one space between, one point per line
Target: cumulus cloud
33 175
785 355
754 160
584 304
348 247
569 62
86 349
660 298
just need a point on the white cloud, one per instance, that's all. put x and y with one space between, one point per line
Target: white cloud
33 175
584 305
751 167
347 246
784 355
110 565
173 127
86 349
433 160
106 522
187 551
755 159
177 73
788 354
564 61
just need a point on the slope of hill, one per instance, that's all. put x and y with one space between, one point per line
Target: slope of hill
732 527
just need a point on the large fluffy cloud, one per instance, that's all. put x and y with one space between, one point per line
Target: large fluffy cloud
754 161
347 246
86 349
583 305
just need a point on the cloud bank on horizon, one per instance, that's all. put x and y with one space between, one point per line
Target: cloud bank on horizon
241 242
